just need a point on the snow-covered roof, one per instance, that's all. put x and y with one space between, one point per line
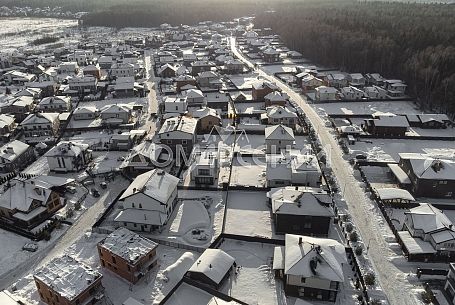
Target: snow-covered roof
128 245
279 132
301 201
85 109
67 277
425 167
314 257
275 96
394 193
304 162
68 149
114 108
40 118
193 93
277 112
10 151
391 121
402 177
6 298
55 100
429 219
213 263
156 184
415 245
183 124
325 89
204 112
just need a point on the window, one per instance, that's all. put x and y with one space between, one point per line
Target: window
184 141
204 171
132 204
303 280
140 205
113 260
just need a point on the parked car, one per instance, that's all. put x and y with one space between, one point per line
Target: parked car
95 193
361 157
30 247
70 189
88 182
103 185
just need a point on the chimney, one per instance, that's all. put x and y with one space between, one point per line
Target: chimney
10 150
300 240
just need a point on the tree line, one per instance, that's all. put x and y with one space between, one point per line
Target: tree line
410 41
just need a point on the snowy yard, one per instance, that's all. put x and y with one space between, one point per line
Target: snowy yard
388 149
248 214
244 81
369 107
247 171
149 290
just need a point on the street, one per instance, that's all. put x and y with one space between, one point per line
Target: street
360 207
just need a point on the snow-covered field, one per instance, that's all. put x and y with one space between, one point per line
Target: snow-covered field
369 107
388 149
247 172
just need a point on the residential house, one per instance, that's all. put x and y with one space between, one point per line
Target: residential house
178 105
278 138
310 267
195 98
122 70
85 113
65 281
18 78
127 254
425 176
301 210
19 107
92 70
260 90
433 121
351 93
311 82
205 169
275 98
200 66
279 115
323 93
167 71
27 202
375 92
208 118
68 157
233 66
41 125
145 157
395 88
148 202
356 80
270 55
55 104
34 93
374 79
116 114
218 100
7 125
336 80
208 79
179 134
15 156
183 80
212 268
387 126
68 68
83 85
429 227
124 87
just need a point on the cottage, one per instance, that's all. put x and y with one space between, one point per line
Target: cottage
310 82
127 254
352 93
301 210
27 202
395 88
68 157
65 281
275 98
179 134
18 78
167 71
34 93
148 202
145 157
208 79
270 55
68 68
261 89
387 126
433 121
425 176
323 93
41 125
305 170
116 114
200 66
85 113
92 70
19 107
178 105
431 228
212 267
375 92
310 267
55 104
83 85
336 80
195 98
218 100
15 156
7 125
233 66
278 138
122 70
206 168
208 118
276 115
374 79
356 80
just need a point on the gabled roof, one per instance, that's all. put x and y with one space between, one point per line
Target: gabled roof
214 264
67 149
426 167
277 112
429 219
156 184
279 132
40 118
10 151
314 257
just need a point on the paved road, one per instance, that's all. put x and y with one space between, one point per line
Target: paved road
397 288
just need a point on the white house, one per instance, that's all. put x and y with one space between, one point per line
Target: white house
375 92
276 115
278 138
68 157
352 93
305 170
148 202
85 84
115 114
122 69
175 105
311 267
85 113
205 168
323 93
55 104
356 79
194 98
41 124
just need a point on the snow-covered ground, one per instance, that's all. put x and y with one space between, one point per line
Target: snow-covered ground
367 107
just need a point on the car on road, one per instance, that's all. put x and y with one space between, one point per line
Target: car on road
95 193
103 185
361 157
30 247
